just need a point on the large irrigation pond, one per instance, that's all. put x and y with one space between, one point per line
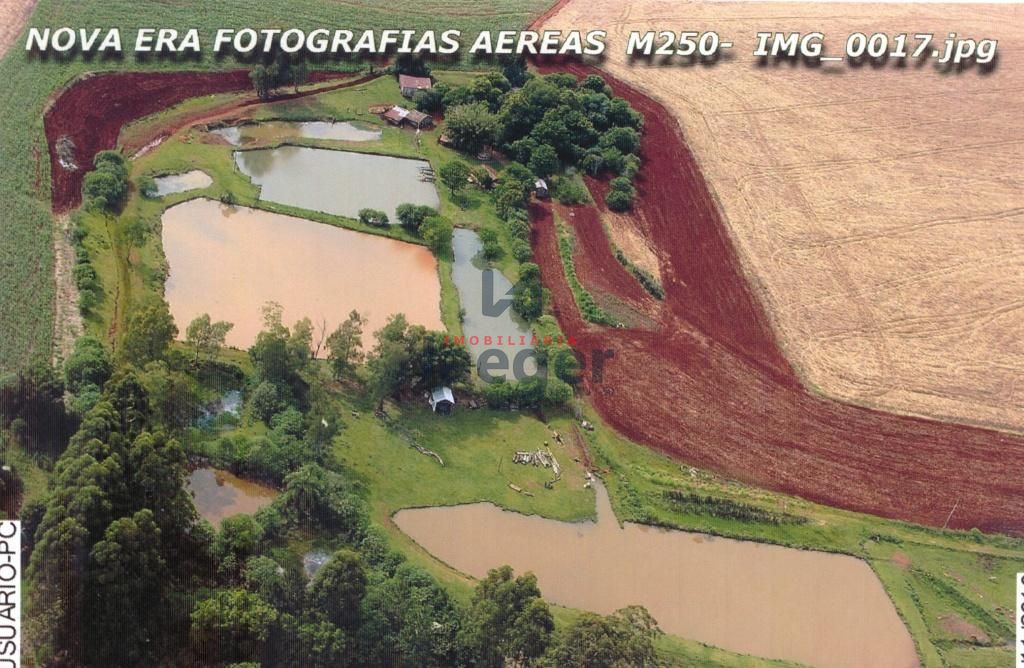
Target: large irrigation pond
249 133
481 292
811 607
230 261
337 182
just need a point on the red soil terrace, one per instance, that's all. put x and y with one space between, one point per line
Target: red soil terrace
708 383
92 111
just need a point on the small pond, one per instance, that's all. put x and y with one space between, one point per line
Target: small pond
482 291
810 607
337 182
230 261
221 494
313 560
240 135
179 183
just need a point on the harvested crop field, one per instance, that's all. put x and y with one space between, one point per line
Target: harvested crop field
878 211
715 389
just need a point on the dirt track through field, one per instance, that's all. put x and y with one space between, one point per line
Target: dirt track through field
711 386
14 15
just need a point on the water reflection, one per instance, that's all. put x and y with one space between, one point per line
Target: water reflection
240 135
468 274
220 494
179 183
337 182
230 261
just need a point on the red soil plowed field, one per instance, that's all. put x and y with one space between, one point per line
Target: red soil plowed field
711 386
92 111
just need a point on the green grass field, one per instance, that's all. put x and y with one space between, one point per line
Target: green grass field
26 252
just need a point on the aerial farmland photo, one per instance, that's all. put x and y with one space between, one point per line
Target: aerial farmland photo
530 333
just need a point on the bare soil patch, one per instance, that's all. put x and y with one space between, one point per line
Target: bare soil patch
961 628
878 211
67 316
14 15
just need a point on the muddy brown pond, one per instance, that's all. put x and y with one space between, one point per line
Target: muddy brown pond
220 494
811 607
230 261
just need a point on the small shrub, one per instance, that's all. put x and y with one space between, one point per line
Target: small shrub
571 191
373 217
521 250
491 245
147 186
618 200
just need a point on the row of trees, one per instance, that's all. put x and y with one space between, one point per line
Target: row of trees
283 71
435 229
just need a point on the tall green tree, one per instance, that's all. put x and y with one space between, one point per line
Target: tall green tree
409 619
625 638
507 620
345 345
149 332
454 176
438 232
338 588
88 364
262 81
233 625
471 127
127 580
206 337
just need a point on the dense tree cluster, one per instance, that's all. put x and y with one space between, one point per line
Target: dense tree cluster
411 358
105 187
90 291
546 123
118 536
32 408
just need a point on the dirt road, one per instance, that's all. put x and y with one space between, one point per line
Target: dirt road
14 15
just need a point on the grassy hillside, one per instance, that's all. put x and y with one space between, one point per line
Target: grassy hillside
26 254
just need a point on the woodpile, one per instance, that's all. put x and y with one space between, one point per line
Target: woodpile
537 458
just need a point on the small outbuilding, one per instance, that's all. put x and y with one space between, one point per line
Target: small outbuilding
396 115
399 116
418 119
442 400
540 187
410 84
